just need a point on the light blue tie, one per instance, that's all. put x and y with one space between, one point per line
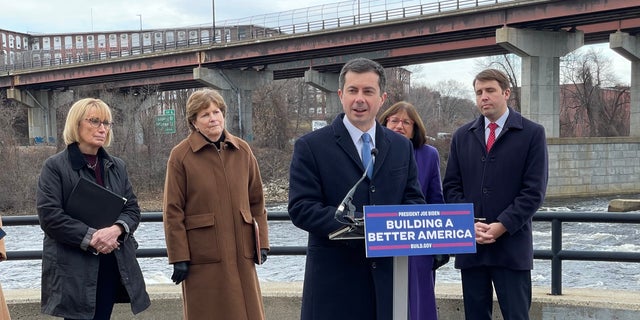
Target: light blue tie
366 153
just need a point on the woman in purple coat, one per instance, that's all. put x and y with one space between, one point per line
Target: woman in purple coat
403 118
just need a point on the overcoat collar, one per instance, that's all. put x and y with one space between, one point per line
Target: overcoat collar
77 159
197 141
514 122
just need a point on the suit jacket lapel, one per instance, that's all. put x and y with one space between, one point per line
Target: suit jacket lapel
382 144
343 139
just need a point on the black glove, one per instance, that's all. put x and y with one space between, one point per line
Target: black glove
439 260
263 256
180 271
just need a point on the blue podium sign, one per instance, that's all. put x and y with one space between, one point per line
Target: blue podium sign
419 229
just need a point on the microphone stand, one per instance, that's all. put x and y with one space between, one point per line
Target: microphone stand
345 213
349 215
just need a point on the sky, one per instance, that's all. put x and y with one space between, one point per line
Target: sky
68 16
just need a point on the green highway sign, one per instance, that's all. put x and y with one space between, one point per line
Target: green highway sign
166 123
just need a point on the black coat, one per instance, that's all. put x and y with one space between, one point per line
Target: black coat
69 270
508 184
340 282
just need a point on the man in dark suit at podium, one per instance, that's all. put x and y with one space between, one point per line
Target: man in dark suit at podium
340 282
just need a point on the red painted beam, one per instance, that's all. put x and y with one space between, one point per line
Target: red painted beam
611 26
443 47
107 68
153 80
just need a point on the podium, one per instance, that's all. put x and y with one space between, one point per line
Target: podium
400 231
400 288
400 269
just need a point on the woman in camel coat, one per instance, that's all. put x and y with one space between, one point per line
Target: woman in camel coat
212 196
4 311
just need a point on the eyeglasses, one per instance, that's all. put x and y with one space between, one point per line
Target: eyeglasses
95 122
405 122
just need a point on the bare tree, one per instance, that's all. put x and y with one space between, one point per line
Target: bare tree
453 108
270 116
398 84
19 158
510 64
297 105
425 100
442 109
593 102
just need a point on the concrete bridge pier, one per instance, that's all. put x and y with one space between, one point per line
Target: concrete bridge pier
628 46
41 113
236 86
328 83
540 52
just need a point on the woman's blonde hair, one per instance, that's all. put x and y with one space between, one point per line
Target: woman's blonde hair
78 112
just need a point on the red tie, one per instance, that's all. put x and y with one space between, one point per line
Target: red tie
492 135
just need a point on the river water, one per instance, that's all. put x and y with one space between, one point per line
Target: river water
575 274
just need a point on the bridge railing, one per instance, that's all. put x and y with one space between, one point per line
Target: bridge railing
556 254
311 19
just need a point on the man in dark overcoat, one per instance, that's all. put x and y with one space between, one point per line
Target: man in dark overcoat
340 282
504 174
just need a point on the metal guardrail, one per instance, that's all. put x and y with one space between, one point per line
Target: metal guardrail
556 254
296 21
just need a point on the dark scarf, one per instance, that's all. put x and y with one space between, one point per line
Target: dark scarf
216 143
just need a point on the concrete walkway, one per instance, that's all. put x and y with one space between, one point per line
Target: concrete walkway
573 304
282 302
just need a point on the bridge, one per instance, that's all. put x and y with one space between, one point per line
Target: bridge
540 31
313 44
446 30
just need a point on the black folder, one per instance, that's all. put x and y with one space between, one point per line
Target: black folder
94 205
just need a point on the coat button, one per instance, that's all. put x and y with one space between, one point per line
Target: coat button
372 189
373 265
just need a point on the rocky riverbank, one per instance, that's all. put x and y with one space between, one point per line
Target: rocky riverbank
274 192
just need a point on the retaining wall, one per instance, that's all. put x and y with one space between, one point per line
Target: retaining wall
282 302
593 166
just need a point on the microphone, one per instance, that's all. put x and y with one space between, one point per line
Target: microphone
349 215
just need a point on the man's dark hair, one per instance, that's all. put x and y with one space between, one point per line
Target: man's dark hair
362 65
493 74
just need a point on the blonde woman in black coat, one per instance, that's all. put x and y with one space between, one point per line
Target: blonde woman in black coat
86 270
